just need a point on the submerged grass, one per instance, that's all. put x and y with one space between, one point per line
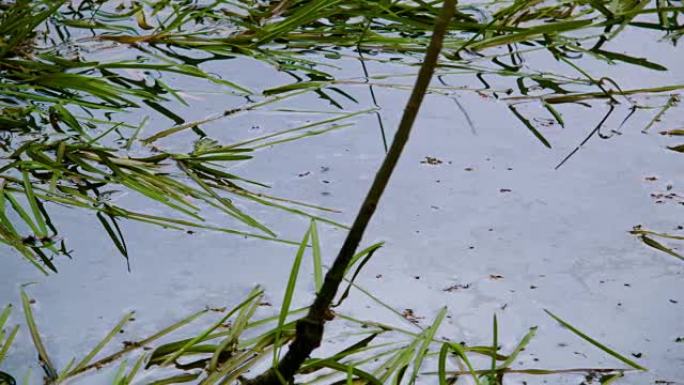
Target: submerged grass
649 237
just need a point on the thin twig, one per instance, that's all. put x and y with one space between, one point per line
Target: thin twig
310 329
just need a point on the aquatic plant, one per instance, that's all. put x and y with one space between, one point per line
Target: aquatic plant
69 137
241 339
221 354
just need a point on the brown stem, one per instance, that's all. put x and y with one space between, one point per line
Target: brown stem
310 328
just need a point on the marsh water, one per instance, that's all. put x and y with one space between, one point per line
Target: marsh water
477 216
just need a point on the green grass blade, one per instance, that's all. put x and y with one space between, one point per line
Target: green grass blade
530 127
289 293
225 204
140 344
49 368
556 115
115 330
495 348
241 322
22 213
441 364
134 370
4 316
115 235
659 246
596 343
120 375
307 126
65 370
317 260
364 376
519 348
428 336
177 379
207 331
610 378
7 343
460 352
531 32
366 254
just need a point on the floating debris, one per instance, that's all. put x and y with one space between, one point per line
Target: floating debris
431 161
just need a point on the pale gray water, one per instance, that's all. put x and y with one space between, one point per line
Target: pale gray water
558 238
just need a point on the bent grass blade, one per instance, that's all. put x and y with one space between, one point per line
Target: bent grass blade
595 343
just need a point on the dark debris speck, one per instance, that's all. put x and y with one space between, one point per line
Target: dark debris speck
432 161
457 287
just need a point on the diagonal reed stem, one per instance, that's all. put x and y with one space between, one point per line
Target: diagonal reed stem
310 329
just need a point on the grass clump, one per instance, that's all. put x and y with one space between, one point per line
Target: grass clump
242 339
69 139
